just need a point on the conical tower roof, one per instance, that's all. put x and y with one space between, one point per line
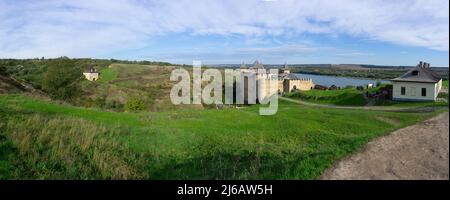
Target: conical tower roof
257 65
243 66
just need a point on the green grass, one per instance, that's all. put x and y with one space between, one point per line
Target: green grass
412 104
345 97
107 75
52 141
445 84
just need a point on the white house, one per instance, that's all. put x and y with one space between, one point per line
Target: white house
418 84
91 75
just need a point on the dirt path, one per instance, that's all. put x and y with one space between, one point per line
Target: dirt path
420 151
379 108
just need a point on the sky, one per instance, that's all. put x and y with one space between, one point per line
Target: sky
381 32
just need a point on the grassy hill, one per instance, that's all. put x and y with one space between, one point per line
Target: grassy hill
41 139
120 82
344 97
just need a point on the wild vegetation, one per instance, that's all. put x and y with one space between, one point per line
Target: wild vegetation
62 79
45 140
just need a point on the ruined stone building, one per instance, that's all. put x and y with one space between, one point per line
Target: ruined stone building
91 74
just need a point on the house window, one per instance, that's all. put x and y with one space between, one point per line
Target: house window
403 90
424 92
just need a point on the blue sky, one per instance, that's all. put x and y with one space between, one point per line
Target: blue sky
229 31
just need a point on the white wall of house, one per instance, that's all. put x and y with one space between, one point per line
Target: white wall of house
413 90
91 76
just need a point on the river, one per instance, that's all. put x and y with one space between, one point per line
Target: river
338 80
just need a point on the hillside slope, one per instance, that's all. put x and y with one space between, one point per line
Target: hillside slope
8 85
46 140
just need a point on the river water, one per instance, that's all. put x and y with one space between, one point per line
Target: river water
339 81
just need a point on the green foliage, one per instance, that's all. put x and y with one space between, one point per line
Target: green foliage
445 84
61 79
135 104
102 102
443 95
2 70
114 105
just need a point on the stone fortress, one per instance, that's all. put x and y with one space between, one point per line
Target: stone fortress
285 81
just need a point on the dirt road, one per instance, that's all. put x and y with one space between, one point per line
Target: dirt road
379 108
420 151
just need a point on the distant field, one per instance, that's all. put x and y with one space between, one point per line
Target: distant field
44 140
107 75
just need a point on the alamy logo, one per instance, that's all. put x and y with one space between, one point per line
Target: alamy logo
229 86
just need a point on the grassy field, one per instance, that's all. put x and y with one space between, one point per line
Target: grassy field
344 97
107 75
44 140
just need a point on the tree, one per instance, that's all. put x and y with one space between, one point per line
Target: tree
2 70
61 79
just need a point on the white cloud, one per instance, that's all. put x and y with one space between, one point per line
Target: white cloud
99 27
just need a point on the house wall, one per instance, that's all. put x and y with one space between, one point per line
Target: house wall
414 91
91 76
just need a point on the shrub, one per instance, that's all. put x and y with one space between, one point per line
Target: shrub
443 95
135 104
61 79
2 70
349 87
100 102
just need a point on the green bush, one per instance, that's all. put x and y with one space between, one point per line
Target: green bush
135 104
443 95
2 70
